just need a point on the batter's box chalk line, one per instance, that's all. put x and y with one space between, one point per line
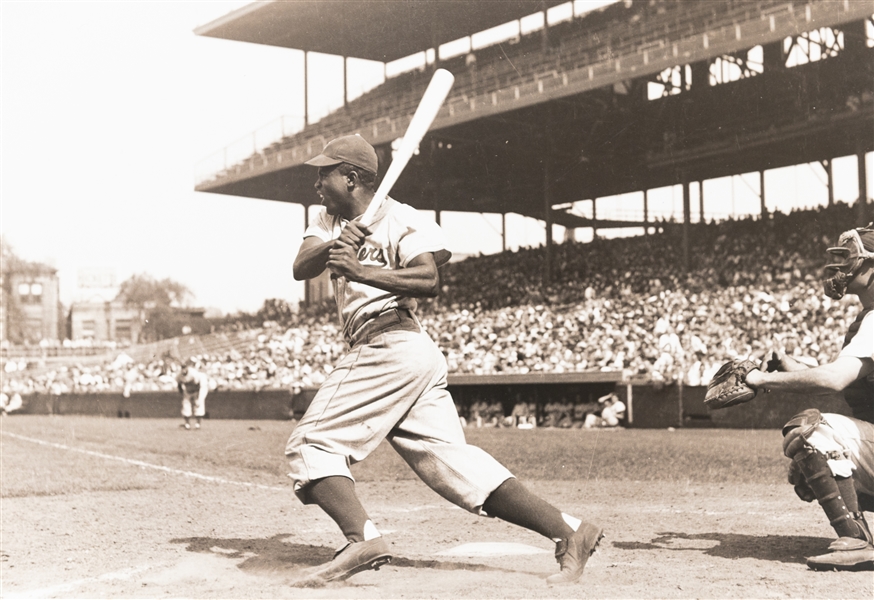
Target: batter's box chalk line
493 549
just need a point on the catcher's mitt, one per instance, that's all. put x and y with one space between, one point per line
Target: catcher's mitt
729 386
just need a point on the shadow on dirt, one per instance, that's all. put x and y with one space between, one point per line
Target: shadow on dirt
275 555
780 548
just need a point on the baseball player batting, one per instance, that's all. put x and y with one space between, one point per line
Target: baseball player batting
832 455
392 383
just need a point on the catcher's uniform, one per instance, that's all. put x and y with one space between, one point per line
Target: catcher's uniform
392 383
194 387
854 437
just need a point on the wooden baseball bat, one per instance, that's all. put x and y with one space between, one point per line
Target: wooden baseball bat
438 88
422 119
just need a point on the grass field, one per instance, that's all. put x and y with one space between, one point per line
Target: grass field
120 508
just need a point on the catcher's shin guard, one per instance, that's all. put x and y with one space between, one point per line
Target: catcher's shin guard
837 497
846 522
814 467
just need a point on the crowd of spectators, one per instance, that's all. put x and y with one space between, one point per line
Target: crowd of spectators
291 356
625 305
630 305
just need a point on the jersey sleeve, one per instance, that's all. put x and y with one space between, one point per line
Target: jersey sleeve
322 227
422 235
862 344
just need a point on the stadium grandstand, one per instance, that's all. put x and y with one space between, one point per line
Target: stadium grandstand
590 104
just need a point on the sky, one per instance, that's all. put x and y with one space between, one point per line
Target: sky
108 110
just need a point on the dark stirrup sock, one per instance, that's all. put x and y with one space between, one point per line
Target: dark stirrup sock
336 496
513 503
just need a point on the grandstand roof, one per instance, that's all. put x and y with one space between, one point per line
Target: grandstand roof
382 30
574 110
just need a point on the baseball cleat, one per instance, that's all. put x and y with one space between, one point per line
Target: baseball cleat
847 554
352 558
572 553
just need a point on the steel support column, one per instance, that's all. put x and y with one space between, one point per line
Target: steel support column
594 217
862 207
762 195
830 180
687 217
646 211
503 232
306 94
547 218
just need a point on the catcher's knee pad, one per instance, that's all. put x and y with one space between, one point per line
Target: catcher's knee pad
798 430
809 430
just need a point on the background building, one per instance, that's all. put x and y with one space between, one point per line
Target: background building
31 305
96 316
105 322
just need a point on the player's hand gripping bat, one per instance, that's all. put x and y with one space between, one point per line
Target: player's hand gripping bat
422 119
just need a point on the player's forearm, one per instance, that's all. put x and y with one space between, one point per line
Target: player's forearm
415 282
310 262
825 379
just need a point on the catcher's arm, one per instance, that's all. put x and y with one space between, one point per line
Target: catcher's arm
824 379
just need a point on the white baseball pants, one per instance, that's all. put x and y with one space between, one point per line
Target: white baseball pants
392 388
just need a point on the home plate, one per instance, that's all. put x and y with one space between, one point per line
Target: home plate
492 549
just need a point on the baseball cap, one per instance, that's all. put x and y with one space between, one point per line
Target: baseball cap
352 149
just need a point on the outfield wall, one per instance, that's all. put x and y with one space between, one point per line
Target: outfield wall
273 404
650 407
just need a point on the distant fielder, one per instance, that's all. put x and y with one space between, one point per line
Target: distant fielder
392 383
194 386
832 455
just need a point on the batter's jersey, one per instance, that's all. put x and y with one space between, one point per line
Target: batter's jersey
859 343
400 233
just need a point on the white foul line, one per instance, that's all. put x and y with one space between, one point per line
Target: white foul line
146 465
123 575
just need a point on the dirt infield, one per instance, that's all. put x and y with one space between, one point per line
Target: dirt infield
140 509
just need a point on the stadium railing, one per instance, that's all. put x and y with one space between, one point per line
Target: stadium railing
184 347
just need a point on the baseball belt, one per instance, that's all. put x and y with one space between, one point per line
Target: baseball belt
396 319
